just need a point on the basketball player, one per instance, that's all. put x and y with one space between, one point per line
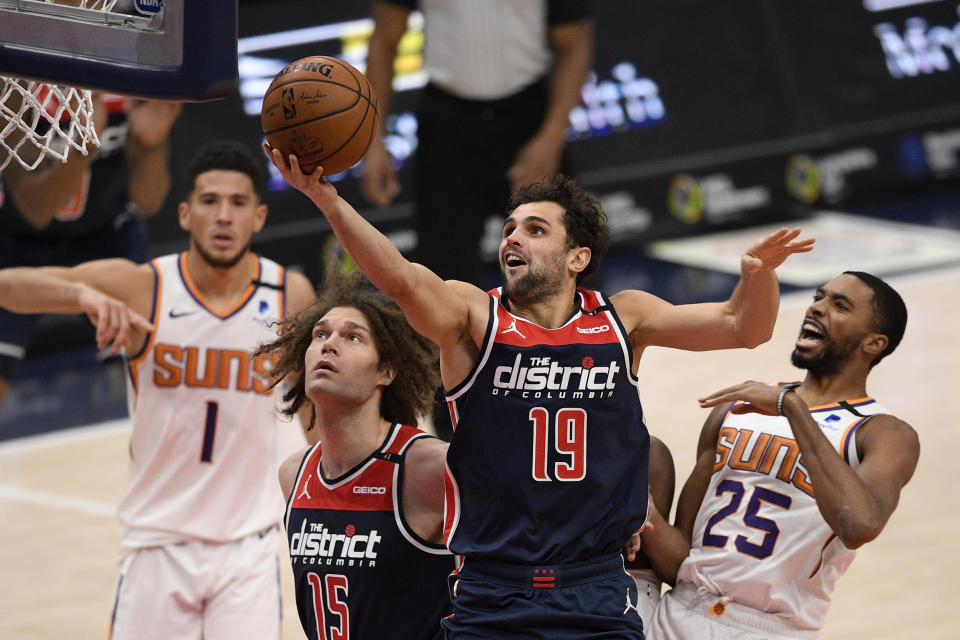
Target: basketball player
547 470
364 508
200 517
789 480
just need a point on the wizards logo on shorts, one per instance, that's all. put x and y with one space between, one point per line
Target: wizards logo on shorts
148 7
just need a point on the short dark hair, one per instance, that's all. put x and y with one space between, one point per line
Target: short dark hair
889 312
583 217
225 155
411 357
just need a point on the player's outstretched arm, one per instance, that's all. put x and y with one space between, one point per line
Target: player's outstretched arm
433 308
745 320
29 290
856 503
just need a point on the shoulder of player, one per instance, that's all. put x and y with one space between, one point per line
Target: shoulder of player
883 430
288 471
469 293
300 292
426 452
424 464
635 307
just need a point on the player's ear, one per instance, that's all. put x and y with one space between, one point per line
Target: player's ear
260 217
386 376
874 344
578 258
183 216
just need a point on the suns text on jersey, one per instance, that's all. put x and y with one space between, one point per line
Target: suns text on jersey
772 455
211 368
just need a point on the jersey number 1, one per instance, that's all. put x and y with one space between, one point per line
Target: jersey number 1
569 439
209 431
333 584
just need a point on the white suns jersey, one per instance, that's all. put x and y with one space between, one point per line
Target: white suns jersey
203 452
759 538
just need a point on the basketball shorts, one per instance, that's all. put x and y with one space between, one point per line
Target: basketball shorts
199 590
649 587
595 600
687 614
125 238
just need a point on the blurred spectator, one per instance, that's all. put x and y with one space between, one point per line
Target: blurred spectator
504 76
87 208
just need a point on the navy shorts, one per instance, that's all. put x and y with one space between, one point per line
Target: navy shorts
125 239
593 600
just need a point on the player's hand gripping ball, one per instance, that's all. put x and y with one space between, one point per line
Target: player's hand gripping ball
322 110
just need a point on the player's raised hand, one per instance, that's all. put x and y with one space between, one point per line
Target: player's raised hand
753 397
151 120
770 252
313 185
379 180
114 320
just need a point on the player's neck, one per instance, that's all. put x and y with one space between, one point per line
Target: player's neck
550 311
349 434
818 390
221 287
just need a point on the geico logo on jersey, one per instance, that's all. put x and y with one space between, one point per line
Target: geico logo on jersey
319 545
545 376
601 329
211 368
374 490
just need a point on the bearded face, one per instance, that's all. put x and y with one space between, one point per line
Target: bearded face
537 280
828 357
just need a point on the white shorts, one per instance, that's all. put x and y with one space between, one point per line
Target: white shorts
200 590
685 614
648 586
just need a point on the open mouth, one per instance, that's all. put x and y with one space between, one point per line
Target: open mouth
512 260
325 366
812 334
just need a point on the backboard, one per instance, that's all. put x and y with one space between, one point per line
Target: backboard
161 49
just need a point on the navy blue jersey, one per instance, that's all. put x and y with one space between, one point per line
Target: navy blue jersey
358 568
548 462
100 199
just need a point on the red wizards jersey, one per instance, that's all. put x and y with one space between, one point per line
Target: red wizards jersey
359 570
548 462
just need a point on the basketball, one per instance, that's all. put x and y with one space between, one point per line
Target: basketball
322 110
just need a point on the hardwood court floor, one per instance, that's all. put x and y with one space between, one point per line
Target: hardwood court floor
58 536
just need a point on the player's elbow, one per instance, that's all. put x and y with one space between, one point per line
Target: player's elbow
754 339
857 532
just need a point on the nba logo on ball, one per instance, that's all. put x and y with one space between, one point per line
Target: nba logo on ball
322 110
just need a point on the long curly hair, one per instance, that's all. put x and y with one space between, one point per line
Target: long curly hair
411 357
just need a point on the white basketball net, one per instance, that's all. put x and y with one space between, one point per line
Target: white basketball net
40 119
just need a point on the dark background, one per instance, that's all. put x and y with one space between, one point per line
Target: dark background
730 95
697 117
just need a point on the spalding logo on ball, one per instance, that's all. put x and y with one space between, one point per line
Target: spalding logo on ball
322 110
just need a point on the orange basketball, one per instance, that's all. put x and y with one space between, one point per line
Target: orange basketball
322 110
